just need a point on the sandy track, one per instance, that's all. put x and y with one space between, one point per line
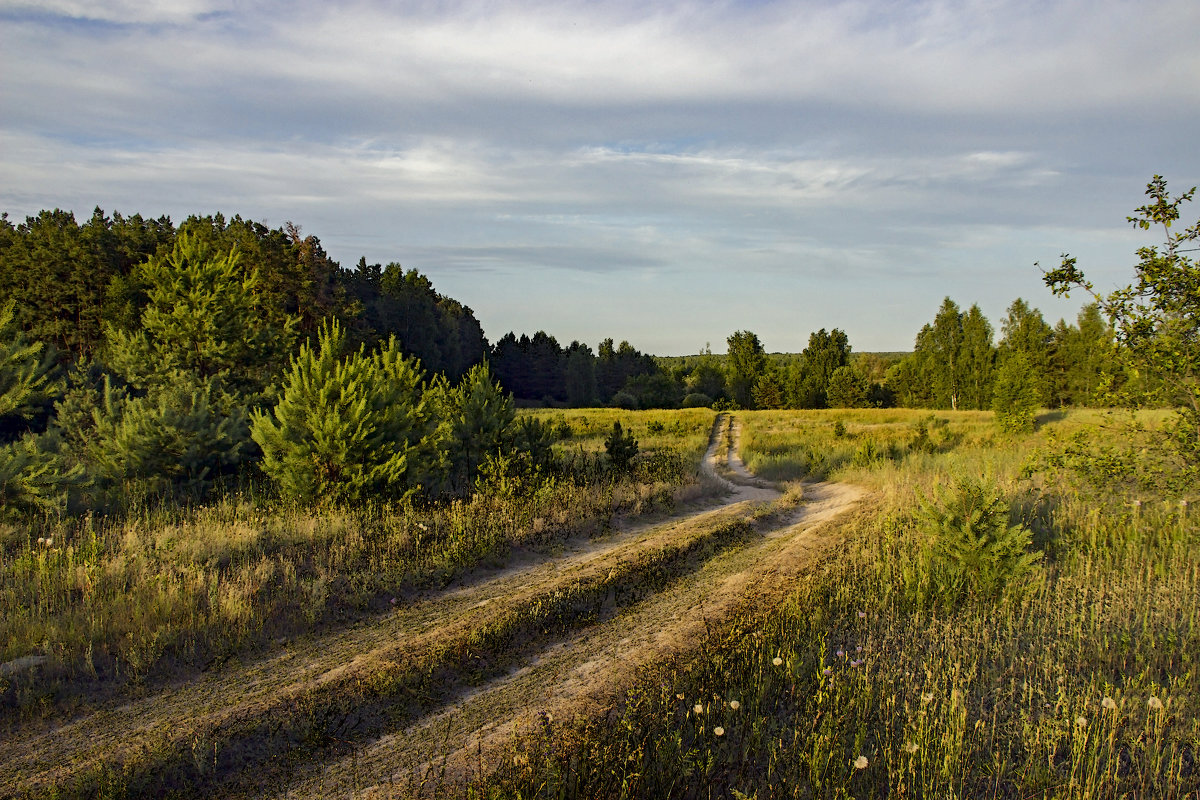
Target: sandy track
582 674
571 675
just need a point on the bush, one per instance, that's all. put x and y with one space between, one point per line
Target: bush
696 400
347 429
971 551
621 448
624 400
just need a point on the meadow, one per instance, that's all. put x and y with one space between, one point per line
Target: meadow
1077 681
234 648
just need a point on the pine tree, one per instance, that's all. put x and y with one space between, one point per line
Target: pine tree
621 448
29 378
347 429
474 420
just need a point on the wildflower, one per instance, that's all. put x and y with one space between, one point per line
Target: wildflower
1081 722
858 649
41 540
698 708
777 661
392 601
1108 703
855 663
926 697
735 705
50 541
422 526
862 615
828 671
719 731
911 747
1137 503
861 762
841 653
679 696
1154 703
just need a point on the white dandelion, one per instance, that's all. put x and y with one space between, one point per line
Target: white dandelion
861 762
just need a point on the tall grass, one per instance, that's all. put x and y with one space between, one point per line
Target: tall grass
1080 683
114 599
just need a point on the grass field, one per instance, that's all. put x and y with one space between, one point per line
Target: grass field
247 649
1080 681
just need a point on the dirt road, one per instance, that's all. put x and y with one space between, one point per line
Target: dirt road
583 673
345 713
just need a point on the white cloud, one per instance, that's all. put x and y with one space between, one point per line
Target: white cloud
139 12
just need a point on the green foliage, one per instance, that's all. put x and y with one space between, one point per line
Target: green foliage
1017 393
695 400
29 378
1025 332
745 362
810 378
346 429
204 315
624 400
847 389
178 438
32 479
768 390
474 420
621 448
1157 319
971 551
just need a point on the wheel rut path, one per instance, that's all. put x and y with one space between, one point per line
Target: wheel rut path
579 671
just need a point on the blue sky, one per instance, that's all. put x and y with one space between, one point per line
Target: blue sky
663 174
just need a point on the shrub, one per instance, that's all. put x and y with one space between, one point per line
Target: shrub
347 429
696 400
621 448
971 551
624 400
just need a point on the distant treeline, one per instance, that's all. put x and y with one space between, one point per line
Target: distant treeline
955 364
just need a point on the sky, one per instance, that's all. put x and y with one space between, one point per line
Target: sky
664 173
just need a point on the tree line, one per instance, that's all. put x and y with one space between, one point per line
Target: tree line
140 359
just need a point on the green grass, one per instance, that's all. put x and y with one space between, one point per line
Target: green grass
1080 683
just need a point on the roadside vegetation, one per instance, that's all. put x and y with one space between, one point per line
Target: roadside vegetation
921 660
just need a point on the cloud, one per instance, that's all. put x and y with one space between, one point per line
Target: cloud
127 12
857 147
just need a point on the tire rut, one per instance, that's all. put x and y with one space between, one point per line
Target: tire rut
188 720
